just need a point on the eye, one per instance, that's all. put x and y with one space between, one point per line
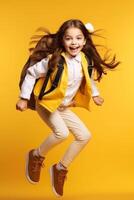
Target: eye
79 38
67 38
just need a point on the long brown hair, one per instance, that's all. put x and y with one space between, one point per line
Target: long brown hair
53 44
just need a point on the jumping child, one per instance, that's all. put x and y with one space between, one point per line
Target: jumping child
72 44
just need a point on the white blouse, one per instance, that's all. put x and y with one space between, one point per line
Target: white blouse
75 76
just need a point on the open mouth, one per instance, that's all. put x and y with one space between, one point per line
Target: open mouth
73 48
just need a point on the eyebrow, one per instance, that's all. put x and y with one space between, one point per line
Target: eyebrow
71 36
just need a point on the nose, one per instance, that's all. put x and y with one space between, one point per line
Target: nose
73 41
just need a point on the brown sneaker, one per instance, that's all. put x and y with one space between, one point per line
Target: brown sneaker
57 180
33 167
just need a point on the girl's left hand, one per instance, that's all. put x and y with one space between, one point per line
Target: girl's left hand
98 100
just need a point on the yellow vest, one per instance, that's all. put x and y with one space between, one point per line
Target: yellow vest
52 100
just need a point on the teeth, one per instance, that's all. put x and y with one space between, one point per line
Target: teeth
73 48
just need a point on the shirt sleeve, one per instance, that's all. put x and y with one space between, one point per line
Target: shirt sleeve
34 72
94 88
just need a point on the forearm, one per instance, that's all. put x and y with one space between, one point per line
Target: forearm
95 91
27 87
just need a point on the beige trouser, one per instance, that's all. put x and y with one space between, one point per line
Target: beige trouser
61 122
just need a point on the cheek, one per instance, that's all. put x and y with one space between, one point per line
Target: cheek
82 45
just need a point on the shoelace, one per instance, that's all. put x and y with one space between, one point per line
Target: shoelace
62 177
38 163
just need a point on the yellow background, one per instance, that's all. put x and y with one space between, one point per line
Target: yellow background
105 168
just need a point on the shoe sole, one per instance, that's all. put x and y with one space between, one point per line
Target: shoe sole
52 182
26 171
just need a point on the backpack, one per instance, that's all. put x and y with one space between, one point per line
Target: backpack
60 66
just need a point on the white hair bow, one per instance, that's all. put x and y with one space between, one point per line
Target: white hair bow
89 27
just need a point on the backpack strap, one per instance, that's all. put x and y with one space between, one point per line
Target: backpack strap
90 66
58 76
56 80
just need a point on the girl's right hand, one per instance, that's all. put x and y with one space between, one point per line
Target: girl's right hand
22 105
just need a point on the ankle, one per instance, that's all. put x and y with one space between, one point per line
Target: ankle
36 152
60 166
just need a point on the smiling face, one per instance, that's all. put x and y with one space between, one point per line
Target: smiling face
73 41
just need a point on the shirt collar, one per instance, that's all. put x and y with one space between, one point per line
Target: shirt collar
76 58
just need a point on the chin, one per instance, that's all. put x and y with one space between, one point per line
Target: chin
74 54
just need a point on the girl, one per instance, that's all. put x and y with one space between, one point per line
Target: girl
74 43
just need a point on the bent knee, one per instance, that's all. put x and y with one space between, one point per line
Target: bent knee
85 137
89 136
62 135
